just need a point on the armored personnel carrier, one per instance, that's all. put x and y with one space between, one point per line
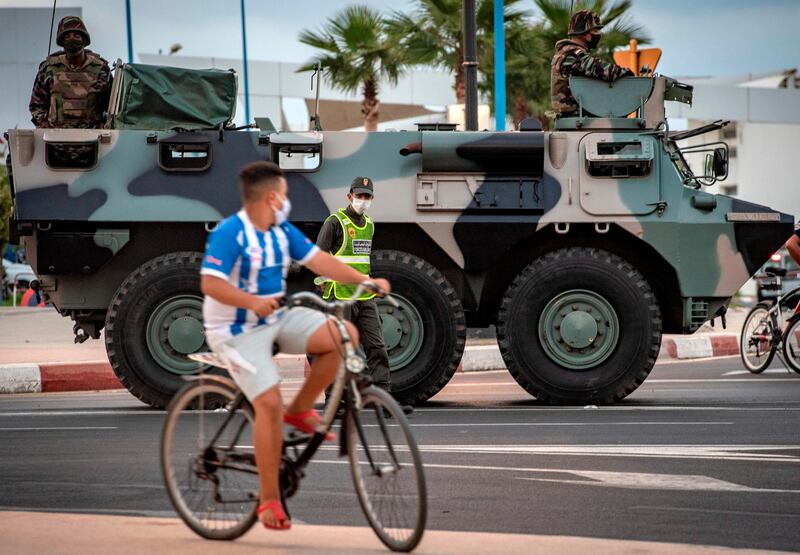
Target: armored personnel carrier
582 244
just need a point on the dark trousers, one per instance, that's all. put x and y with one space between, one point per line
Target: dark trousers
365 316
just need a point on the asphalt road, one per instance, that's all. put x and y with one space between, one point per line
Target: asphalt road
703 453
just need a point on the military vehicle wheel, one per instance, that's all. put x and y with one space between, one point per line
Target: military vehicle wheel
425 336
579 326
153 322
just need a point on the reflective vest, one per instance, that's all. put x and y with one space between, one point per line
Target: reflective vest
355 250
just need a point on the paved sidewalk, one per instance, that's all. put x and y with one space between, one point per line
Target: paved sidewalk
38 353
78 534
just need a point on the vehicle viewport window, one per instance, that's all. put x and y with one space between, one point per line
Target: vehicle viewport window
619 169
71 156
192 157
298 157
619 159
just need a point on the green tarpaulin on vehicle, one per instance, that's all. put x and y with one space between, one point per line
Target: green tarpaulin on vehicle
162 98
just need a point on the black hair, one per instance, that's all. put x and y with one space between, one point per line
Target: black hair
258 177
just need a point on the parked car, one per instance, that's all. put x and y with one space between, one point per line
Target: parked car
22 274
770 288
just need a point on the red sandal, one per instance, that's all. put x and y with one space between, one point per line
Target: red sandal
298 420
277 511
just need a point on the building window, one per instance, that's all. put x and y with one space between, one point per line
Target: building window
730 190
731 152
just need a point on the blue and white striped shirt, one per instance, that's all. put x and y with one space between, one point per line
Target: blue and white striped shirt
254 261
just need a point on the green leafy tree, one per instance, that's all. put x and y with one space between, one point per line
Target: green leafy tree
356 52
5 213
530 47
618 25
431 35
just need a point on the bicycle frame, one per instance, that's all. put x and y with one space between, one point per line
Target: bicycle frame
344 386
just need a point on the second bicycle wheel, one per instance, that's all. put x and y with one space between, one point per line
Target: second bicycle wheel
387 470
207 460
755 343
791 343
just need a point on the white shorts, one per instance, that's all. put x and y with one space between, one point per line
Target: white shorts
291 333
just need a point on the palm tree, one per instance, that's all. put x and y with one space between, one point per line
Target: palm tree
356 52
431 34
618 27
530 47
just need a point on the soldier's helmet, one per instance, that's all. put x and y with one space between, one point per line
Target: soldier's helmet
72 24
583 21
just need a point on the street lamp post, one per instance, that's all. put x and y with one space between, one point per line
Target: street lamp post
499 67
244 65
130 32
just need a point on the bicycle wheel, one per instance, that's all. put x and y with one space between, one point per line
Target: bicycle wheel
791 343
208 462
756 346
387 470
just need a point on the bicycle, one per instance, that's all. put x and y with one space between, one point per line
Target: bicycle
208 461
763 335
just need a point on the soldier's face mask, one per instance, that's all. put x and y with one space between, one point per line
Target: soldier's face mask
594 40
73 44
360 205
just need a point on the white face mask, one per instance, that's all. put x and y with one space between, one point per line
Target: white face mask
282 213
361 206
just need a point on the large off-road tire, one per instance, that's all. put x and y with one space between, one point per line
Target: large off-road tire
425 337
154 320
579 326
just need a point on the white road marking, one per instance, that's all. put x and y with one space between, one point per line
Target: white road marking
47 428
714 511
768 371
622 480
640 480
532 424
704 452
790 379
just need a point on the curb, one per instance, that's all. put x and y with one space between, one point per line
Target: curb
702 346
98 375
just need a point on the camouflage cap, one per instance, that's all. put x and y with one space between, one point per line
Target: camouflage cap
362 185
583 21
72 24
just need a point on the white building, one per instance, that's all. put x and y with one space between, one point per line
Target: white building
763 136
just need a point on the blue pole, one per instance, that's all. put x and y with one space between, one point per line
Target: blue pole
130 33
244 64
499 67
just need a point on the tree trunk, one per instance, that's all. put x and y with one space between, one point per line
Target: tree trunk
370 105
460 85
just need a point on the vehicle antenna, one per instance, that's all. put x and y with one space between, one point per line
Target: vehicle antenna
315 117
50 37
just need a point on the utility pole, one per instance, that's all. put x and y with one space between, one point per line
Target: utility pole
130 32
470 65
244 65
499 66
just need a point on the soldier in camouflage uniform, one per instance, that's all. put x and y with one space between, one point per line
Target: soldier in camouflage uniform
573 59
73 85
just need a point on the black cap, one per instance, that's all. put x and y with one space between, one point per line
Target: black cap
362 185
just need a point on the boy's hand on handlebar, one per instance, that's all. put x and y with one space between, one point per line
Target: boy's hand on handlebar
263 307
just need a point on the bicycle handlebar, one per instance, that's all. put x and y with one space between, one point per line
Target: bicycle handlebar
306 297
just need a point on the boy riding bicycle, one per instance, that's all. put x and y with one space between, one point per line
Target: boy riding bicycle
243 277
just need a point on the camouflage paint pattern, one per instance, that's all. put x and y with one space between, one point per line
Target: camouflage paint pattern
479 198
67 96
573 59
